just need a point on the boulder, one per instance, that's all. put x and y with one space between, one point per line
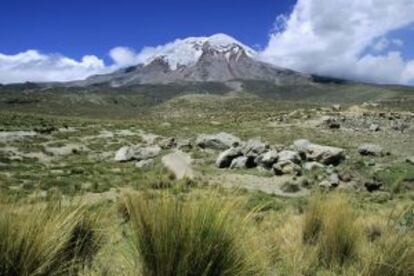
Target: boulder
289 155
334 180
267 159
326 155
125 153
410 160
371 150
310 166
345 176
226 157
254 147
373 185
185 145
374 127
330 122
290 187
286 167
168 143
336 107
239 162
144 163
129 153
220 141
399 126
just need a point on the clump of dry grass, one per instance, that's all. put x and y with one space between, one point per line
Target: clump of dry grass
330 224
46 240
202 237
392 255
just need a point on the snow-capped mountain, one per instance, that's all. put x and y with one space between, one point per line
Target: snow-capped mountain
218 58
186 52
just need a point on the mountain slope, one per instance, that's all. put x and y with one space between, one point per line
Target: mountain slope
218 58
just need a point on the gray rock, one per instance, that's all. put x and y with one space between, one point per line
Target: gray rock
326 155
289 155
125 153
239 162
345 176
410 160
330 122
185 145
334 180
286 167
254 147
267 159
144 163
373 185
399 126
290 187
325 184
374 127
310 166
168 143
220 141
336 107
371 150
226 157
129 153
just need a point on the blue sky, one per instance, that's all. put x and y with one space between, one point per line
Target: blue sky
75 28
47 40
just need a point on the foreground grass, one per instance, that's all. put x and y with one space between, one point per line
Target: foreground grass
192 238
46 240
203 232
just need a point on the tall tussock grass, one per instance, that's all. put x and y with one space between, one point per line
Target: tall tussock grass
203 237
330 223
46 240
392 255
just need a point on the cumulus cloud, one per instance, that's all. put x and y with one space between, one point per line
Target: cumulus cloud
344 38
34 66
124 56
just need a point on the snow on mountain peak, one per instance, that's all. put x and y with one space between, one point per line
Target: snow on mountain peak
188 51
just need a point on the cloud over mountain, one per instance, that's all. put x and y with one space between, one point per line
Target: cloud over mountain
344 38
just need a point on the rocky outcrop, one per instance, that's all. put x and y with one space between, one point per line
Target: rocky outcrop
239 163
129 153
226 157
286 167
326 155
371 150
219 141
267 159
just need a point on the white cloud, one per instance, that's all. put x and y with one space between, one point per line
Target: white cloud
124 56
343 38
34 66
